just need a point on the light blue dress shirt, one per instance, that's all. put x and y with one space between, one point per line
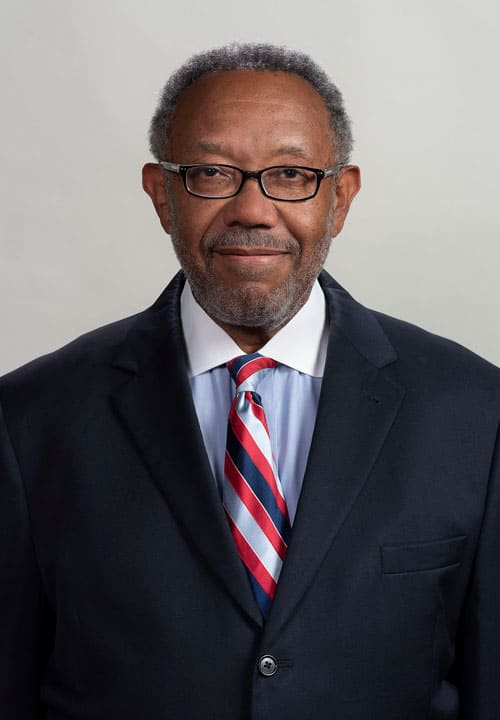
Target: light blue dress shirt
290 392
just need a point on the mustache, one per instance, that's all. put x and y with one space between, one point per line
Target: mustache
252 238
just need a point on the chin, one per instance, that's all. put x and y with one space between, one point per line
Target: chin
253 305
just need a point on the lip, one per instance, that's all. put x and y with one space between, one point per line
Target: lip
251 263
250 251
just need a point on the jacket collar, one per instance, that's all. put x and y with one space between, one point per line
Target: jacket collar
159 327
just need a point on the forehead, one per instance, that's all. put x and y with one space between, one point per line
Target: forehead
248 107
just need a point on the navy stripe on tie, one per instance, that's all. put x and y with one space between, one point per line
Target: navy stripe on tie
263 599
257 482
238 363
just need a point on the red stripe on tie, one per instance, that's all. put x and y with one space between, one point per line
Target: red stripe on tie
245 438
259 413
254 506
252 561
253 366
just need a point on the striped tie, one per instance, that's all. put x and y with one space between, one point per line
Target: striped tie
252 495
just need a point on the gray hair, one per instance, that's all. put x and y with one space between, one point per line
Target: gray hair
251 56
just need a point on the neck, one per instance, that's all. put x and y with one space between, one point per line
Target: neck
249 339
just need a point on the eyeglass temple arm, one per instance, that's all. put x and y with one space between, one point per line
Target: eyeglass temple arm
173 167
333 170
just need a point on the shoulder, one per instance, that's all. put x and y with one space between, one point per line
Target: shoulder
432 365
87 362
67 375
434 359
77 378
89 349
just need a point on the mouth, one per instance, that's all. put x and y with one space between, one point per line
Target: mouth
250 251
251 263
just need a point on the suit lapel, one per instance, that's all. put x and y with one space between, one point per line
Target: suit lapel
154 403
358 404
357 407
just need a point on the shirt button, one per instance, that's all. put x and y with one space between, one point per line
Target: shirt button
267 665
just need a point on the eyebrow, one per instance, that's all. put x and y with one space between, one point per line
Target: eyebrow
295 151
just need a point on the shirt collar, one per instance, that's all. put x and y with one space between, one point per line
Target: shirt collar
301 344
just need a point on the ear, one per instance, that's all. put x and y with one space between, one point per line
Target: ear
153 182
348 185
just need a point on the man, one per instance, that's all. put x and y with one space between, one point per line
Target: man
332 551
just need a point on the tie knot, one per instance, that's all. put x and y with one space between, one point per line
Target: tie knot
244 367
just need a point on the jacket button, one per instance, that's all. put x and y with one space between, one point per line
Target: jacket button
267 665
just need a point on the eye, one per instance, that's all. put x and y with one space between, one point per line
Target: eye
212 180
288 175
212 172
291 173
207 171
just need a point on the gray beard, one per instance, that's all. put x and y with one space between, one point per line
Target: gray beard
249 306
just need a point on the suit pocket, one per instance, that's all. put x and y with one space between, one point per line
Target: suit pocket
418 557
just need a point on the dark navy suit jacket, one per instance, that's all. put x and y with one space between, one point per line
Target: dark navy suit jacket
121 592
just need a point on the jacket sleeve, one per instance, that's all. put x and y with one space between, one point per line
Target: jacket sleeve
20 595
479 656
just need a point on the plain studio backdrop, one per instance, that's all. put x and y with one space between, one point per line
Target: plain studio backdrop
80 243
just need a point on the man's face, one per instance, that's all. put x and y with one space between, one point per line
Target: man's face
251 261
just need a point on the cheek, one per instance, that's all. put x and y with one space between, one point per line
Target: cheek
194 218
311 224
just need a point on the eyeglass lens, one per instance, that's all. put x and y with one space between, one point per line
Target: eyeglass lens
287 183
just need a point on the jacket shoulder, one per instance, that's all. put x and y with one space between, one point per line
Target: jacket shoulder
416 356
433 361
69 367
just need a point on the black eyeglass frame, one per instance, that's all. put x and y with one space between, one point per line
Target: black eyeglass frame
182 170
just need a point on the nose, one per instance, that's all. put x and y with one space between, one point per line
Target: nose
250 208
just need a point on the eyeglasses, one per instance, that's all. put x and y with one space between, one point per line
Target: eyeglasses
290 183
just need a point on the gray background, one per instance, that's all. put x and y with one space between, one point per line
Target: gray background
80 244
